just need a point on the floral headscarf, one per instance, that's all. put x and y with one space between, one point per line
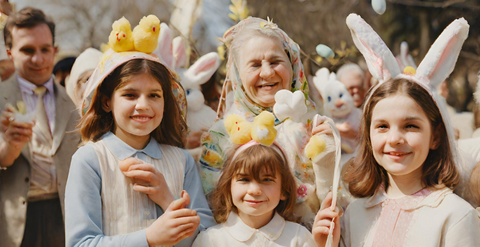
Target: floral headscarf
292 136
233 88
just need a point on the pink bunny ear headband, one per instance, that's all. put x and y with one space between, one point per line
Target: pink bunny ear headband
251 143
433 70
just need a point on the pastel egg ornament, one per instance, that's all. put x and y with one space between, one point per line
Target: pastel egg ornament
379 6
324 51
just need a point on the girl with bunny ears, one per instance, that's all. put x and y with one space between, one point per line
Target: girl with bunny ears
408 163
123 183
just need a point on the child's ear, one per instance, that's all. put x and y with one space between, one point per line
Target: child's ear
283 197
436 138
106 104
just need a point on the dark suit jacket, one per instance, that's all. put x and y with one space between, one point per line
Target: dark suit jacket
14 180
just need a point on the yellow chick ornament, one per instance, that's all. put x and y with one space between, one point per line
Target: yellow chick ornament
121 38
238 128
145 35
315 147
263 129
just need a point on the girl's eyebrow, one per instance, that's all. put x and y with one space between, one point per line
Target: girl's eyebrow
413 118
134 90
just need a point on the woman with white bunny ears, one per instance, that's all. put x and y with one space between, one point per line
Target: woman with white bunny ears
407 165
262 61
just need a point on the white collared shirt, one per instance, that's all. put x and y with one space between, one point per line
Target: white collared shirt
30 99
234 232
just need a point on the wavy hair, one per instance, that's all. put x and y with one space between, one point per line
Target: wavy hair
97 122
364 176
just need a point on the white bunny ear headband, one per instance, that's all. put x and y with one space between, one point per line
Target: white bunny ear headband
433 70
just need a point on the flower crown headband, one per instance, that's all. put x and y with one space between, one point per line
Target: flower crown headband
126 45
261 132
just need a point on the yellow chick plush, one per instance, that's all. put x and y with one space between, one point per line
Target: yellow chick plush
238 128
315 146
145 35
121 38
263 129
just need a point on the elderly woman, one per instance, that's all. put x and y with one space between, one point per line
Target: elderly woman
263 60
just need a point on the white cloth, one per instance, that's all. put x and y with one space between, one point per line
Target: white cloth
122 216
234 232
441 219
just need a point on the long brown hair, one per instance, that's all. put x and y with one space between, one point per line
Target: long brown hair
364 176
253 161
97 122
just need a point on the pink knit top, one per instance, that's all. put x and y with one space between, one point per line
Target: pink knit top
395 219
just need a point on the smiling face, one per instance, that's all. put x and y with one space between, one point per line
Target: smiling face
401 136
264 69
137 109
33 53
256 200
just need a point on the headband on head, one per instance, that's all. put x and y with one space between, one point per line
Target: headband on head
261 132
126 45
433 70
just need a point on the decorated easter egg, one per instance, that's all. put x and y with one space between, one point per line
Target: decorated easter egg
324 51
379 6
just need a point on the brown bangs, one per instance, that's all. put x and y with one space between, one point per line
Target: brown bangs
255 160
252 161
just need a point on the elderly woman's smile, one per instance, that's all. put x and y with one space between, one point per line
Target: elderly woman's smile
264 69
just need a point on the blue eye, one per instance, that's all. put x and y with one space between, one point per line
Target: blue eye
341 95
188 91
329 98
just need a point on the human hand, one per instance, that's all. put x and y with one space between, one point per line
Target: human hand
146 179
347 131
176 224
321 126
15 133
323 221
194 139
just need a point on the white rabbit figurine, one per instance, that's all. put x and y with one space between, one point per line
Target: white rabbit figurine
173 53
338 104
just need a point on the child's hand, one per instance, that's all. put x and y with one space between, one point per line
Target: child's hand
146 179
321 126
321 226
176 224
345 129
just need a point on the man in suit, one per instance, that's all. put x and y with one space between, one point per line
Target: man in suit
34 156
